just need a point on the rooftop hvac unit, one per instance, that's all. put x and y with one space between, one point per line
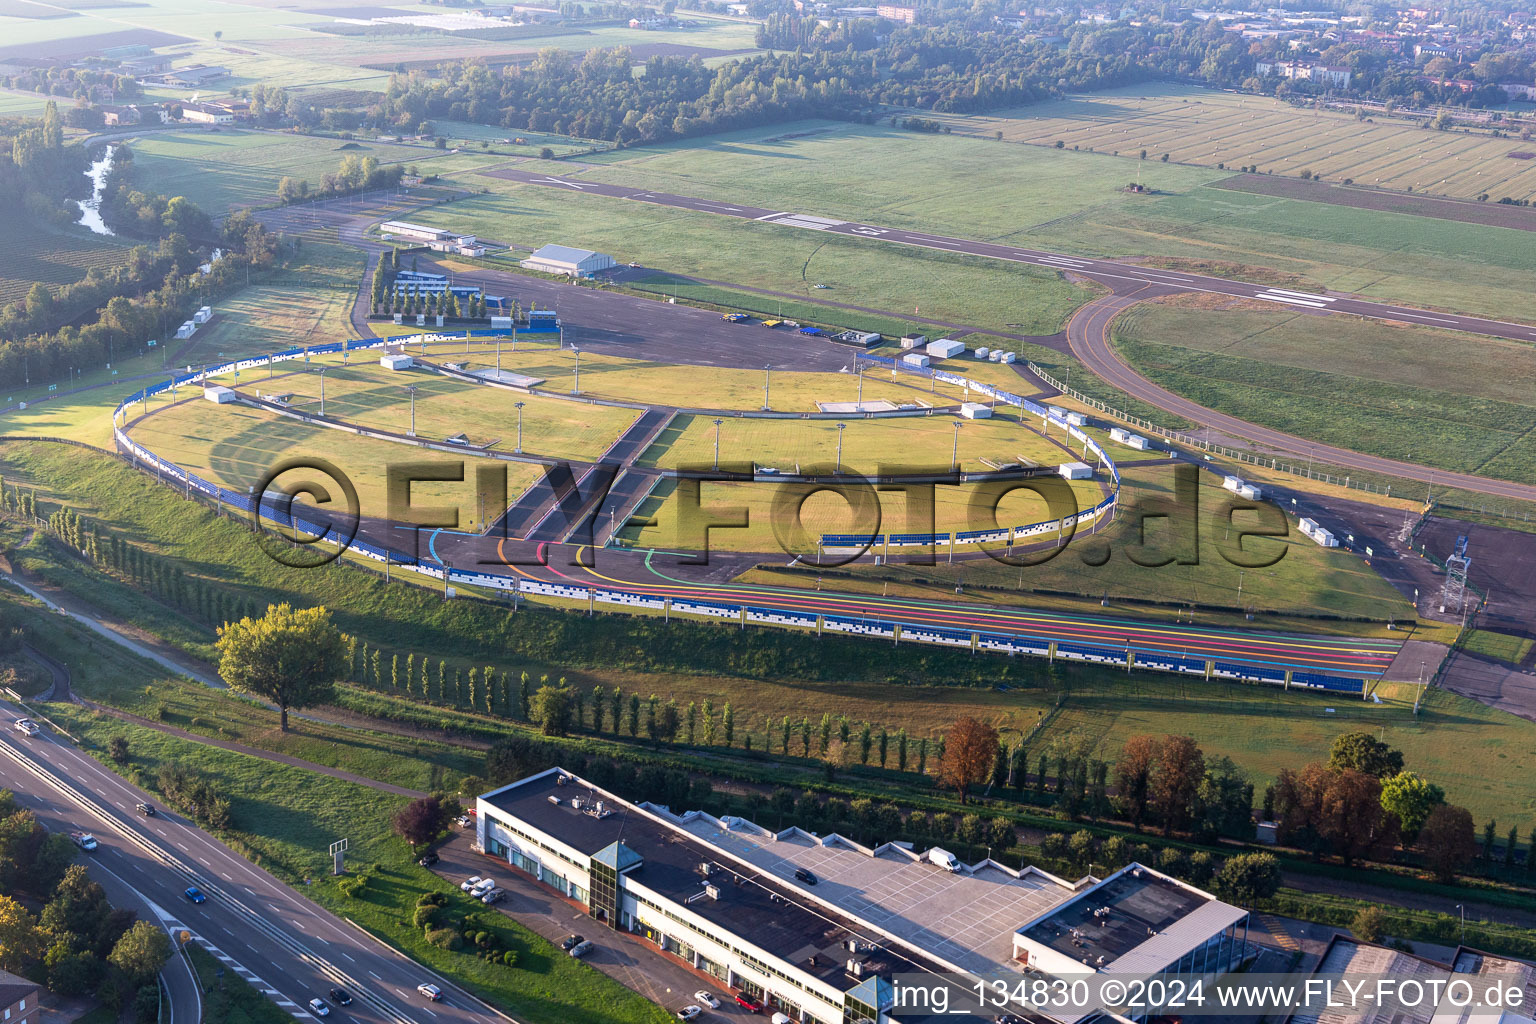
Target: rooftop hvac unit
712 891
554 800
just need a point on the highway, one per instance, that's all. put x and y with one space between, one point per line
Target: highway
264 930
1088 332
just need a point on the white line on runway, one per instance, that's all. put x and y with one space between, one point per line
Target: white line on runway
1302 295
770 216
1289 301
1424 316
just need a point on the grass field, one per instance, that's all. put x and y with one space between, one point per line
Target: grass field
218 169
1500 646
363 392
312 304
1211 128
237 445
636 380
1073 202
942 286
1482 757
1303 579
1427 396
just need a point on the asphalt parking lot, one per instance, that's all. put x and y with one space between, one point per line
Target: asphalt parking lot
629 959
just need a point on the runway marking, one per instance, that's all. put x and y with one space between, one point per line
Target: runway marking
1290 301
1425 316
1301 295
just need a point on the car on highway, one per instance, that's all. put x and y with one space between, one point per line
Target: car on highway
427 859
339 997
571 941
470 882
431 991
689 1013
26 726
805 876
84 840
747 1003
707 998
494 896
195 894
148 810
318 1008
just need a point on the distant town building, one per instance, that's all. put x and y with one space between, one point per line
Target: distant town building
1305 71
891 12
193 76
207 113
1519 90
121 115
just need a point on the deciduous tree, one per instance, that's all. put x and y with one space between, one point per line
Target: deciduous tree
289 657
1448 841
970 749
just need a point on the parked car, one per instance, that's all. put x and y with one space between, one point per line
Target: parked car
26 727
688 1013
747 1003
485 886
581 949
463 821
470 882
805 876
431 991
570 941
318 1008
148 810
707 998
84 840
494 896
427 859
195 894
339 997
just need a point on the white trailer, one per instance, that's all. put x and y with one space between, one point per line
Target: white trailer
944 348
982 352
1075 470
914 340
1009 357
203 315
976 411
396 361
1250 492
916 359
1232 483
218 394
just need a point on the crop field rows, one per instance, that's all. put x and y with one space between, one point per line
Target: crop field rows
1210 128
52 258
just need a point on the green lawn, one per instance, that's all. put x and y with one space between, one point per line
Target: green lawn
1072 201
229 998
1500 646
1411 393
942 286
239 166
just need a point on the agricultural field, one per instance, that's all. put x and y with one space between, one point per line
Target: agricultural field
473 136
1228 130
1412 393
21 104
237 445
51 256
1302 578
1074 202
223 167
941 286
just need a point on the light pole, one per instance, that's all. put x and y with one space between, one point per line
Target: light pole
840 428
861 389
411 388
498 357
767 379
576 383
322 392
520 427
954 456
717 442
1463 923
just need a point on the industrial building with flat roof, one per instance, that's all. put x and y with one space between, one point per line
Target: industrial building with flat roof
562 259
816 927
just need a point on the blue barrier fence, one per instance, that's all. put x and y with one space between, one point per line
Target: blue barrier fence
279 513
1002 533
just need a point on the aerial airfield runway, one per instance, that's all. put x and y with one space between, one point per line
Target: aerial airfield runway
1088 331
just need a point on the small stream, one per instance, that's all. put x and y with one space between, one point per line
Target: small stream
90 209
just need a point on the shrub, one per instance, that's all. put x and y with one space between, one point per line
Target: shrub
424 916
1368 923
352 887
509 957
445 938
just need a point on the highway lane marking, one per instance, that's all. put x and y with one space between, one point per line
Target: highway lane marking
348 957
425 1010
375 977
